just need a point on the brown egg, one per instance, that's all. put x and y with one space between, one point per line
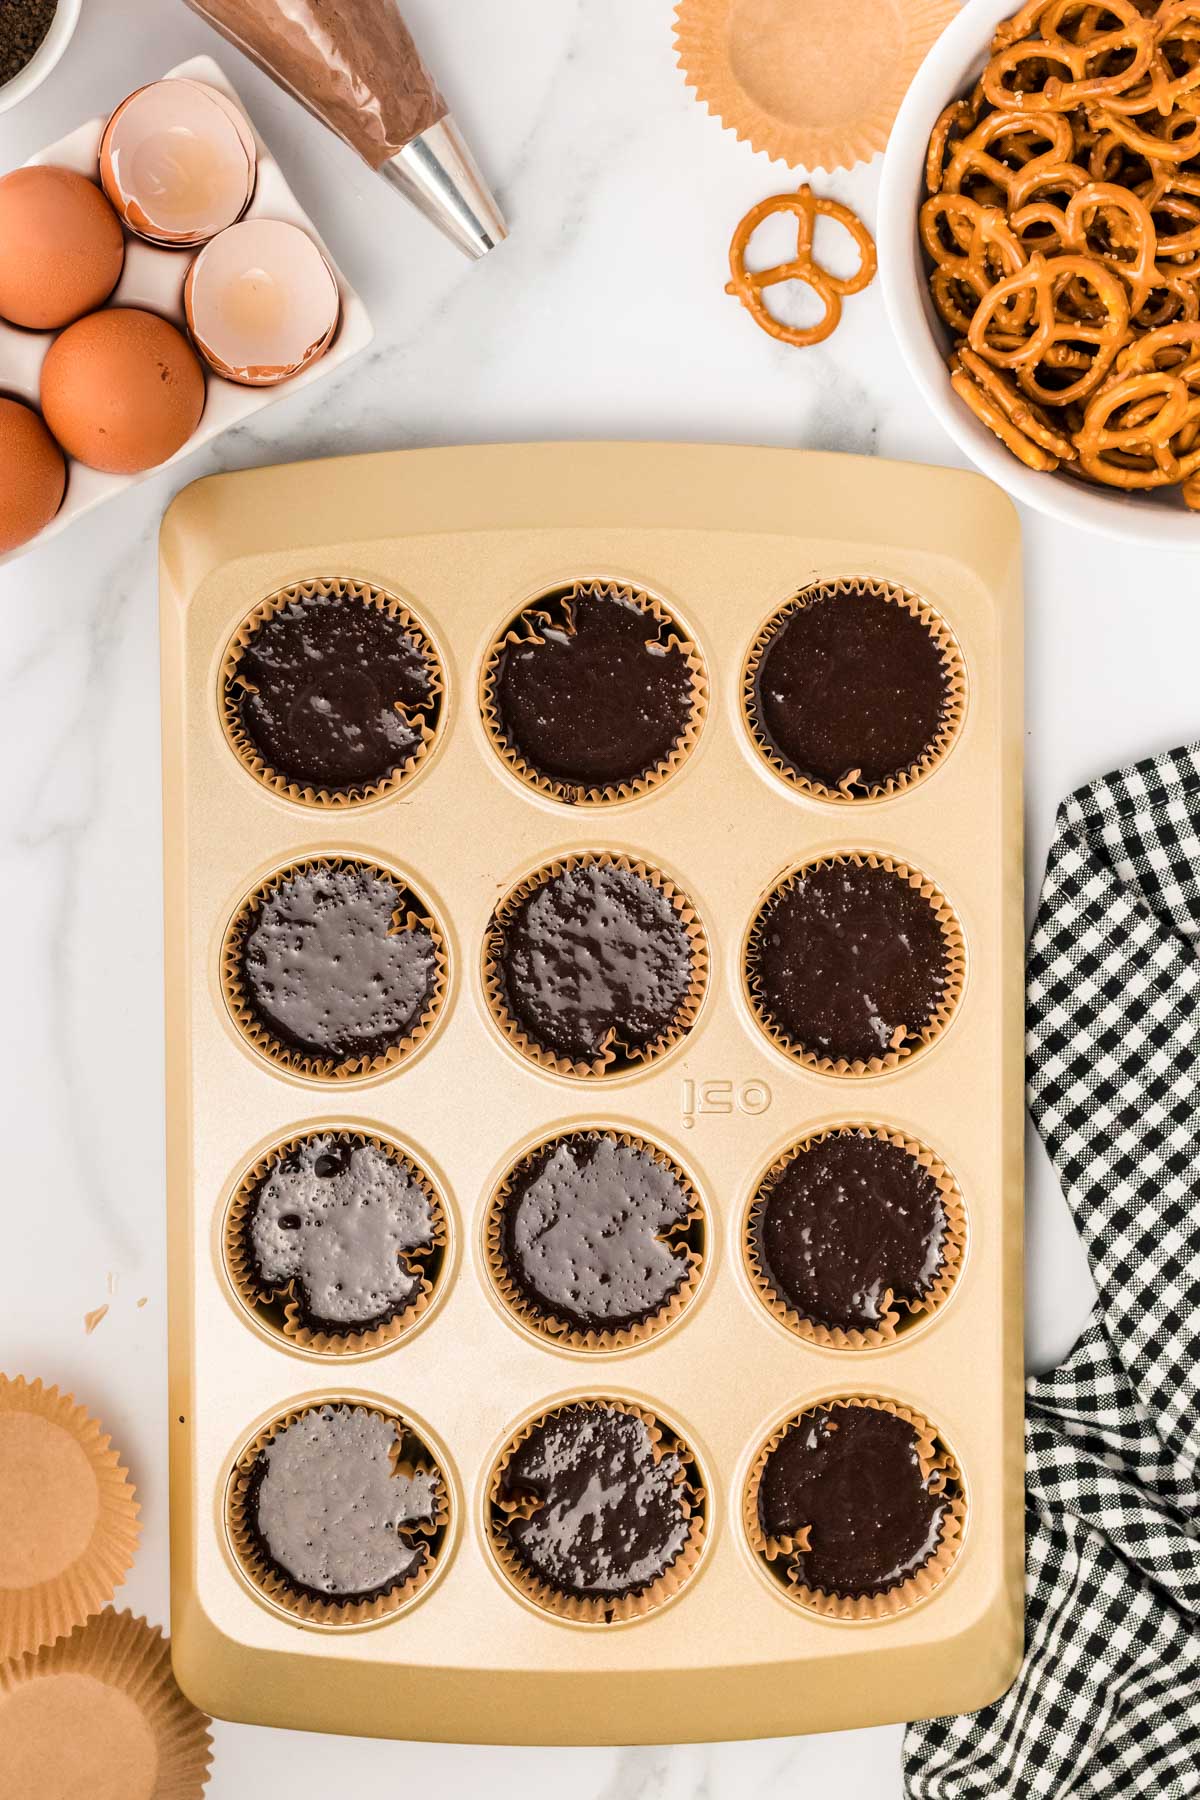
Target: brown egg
32 475
61 247
122 390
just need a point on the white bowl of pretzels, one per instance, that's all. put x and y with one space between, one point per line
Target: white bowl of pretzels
1039 245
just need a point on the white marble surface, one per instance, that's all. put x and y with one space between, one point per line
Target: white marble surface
603 316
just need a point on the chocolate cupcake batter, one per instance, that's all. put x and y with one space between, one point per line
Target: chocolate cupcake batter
851 1219
851 1477
337 1220
590 1232
327 971
849 961
597 693
330 1510
851 690
335 693
595 958
609 1516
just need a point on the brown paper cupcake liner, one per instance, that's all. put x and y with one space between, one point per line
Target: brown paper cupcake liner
939 1468
935 753
247 753
272 1582
615 1058
690 1234
897 1316
601 1611
128 1662
766 72
278 1308
956 969
58 1568
526 628
410 917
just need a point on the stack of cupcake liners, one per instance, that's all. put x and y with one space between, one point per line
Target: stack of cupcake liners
82 1685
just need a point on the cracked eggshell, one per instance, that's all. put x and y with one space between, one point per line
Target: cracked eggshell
178 162
261 302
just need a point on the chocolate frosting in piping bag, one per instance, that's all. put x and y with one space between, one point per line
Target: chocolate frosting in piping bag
354 65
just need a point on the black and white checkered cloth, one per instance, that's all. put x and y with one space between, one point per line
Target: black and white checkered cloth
1107 1703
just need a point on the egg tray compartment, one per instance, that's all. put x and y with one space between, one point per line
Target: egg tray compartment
465 538
153 278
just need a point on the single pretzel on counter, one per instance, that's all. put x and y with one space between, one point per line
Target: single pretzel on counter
748 285
1062 238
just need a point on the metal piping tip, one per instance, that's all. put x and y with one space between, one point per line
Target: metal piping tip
439 175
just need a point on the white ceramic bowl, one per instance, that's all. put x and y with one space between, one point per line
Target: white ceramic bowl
951 68
62 29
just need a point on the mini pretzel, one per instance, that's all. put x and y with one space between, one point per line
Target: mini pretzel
1016 421
1129 434
1062 238
981 237
748 285
1081 56
1047 279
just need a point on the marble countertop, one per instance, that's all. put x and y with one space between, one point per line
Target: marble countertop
604 316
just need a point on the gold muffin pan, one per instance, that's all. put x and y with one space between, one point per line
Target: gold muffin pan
718 542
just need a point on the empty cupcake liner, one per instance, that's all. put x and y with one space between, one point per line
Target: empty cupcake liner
70 1519
940 1471
935 753
601 1610
278 1309
230 679
132 1730
526 628
956 968
897 1316
411 1455
410 917
614 1059
690 1234
767 71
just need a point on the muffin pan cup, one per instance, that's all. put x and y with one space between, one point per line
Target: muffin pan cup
596 1611
272 1583
896 1315
243 745
279 1309
524 628
938 1466
942 744
615 1058
725 538
563 1331
955 967
258 1036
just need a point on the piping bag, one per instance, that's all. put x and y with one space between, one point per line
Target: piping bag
354 65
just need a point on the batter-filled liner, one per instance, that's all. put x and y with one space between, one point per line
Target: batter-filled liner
278 1306
684 1239
612 1057
505 1503
897 1315
939 1476
557 612
423 715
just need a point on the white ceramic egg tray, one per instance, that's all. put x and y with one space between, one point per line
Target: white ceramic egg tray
153 279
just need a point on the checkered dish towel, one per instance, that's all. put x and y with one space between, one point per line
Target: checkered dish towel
1107 1703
